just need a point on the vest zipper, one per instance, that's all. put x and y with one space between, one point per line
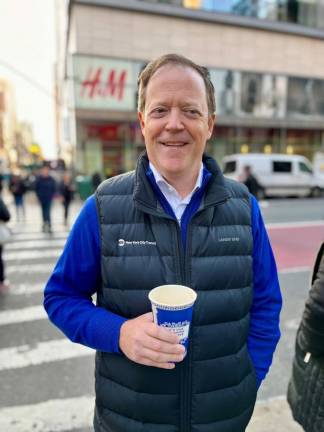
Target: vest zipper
186 371
184 364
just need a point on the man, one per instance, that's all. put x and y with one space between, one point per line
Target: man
251 182
175 220
45 188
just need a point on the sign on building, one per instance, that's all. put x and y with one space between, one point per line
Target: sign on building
105 84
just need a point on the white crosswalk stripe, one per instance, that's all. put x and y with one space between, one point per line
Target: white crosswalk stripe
40 269
44 352
33 244
22 236
53 415
32 254
15 316
27 288
22 307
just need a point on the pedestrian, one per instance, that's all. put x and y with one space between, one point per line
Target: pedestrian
4 218
67 193
305 390
175 219
95 180
18 189
251 182
45 188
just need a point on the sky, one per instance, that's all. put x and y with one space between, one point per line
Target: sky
27 44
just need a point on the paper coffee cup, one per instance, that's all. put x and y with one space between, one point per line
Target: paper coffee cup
172 307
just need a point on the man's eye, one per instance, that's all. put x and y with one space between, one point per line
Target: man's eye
157 112
192 112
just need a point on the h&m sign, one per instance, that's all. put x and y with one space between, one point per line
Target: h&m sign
105 84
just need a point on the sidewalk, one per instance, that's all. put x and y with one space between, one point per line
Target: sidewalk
273 416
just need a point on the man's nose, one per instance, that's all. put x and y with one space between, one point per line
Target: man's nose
174 120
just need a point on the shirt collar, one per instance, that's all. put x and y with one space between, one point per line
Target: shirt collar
164 185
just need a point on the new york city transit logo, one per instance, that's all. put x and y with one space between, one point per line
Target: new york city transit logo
97 85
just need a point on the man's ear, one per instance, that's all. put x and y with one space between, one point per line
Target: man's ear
211 124
140 116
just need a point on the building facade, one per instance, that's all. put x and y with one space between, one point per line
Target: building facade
265 59
8 126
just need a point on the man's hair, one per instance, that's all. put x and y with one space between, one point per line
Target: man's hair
178 60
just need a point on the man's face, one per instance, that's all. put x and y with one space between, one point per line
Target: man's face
45 171
175 122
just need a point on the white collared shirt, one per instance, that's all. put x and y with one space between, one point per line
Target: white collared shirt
177 203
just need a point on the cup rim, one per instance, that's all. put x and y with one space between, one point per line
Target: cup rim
167 305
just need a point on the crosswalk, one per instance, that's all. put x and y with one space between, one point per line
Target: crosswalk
46 381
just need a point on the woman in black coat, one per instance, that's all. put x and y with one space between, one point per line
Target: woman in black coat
306 387
4 217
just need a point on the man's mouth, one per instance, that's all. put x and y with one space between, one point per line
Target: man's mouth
173 144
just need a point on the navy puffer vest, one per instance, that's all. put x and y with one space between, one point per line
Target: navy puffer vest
214 388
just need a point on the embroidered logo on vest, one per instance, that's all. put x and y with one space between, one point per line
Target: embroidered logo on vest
122 243
229 239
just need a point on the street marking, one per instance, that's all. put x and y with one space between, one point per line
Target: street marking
22 236
32 254
281 225
31 313
26 289
14 316
33 244
53 415
271 399
292 324
39 269
264 204
295 270
43 352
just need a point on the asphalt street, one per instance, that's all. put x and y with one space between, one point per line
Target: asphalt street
47 382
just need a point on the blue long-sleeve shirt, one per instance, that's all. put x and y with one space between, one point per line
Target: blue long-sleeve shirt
77 276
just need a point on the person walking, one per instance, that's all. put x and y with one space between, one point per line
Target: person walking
306 387
251 182
95 180
4 218
174 220
45 188
66 190
18 189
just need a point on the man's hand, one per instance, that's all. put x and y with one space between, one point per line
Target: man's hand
148 344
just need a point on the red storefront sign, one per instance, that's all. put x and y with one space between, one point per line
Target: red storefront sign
105 84
97 85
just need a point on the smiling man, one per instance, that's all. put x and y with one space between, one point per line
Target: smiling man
175 219
176 123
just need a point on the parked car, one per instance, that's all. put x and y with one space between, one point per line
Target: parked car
279 175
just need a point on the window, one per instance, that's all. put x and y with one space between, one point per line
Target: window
304 168
230 167
305 97
281 167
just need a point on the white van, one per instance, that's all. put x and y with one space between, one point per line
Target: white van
279 175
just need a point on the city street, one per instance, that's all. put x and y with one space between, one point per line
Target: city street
47 382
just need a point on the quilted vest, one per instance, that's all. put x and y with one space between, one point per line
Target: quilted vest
214 388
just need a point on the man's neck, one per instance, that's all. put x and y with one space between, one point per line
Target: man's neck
184 185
